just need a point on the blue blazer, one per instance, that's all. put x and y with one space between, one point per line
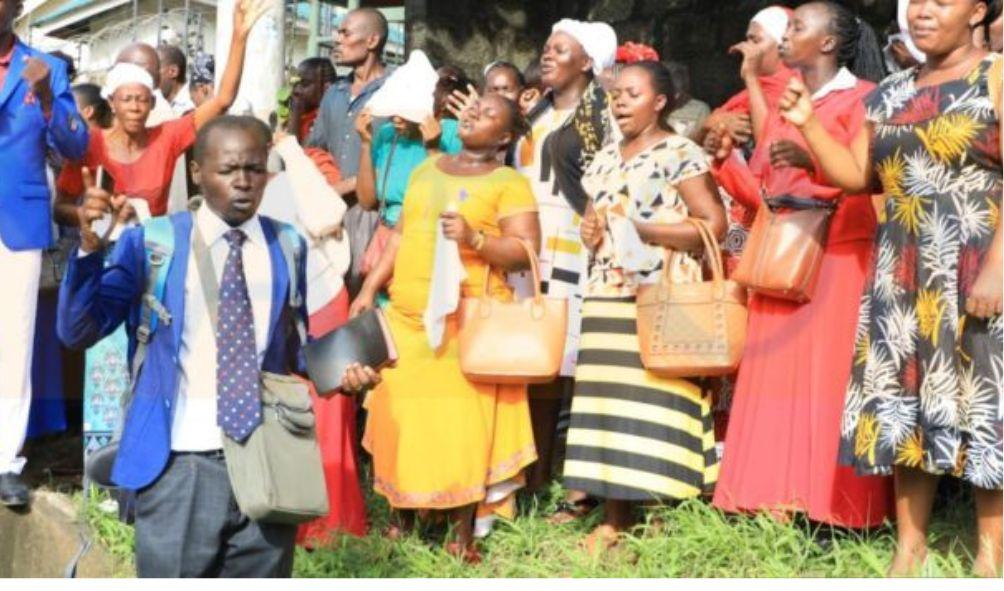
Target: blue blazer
25 135
95 298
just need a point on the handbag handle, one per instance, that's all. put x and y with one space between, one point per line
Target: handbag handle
712 253
534 269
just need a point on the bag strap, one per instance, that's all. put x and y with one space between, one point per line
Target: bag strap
995 81
712 254
798 203
382 197
534 270
158 242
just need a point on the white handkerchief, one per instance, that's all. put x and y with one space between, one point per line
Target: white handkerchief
444 292
633 254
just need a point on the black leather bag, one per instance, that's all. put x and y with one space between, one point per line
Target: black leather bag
365 340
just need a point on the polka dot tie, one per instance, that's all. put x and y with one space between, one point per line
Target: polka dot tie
239 405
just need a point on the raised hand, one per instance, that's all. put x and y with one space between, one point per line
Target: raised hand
796 103
95 204
364 126
246 14
458 101
431 130
786 153
718 142
37 74
752 58
739 126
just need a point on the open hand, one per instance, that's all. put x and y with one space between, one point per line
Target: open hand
786 153
796 103
459 101
455 227
985 296
246 14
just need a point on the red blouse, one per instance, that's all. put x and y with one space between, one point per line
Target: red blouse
149 177
842 113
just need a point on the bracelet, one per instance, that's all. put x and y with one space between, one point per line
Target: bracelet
478 242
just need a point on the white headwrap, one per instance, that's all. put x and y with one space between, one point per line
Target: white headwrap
904 31
597 39
408 91
122 74
774 21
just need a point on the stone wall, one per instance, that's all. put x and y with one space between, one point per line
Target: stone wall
471 33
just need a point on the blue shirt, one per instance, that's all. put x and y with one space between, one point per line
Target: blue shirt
392 177
335 128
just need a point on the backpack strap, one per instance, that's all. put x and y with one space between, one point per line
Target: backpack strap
292 251
158 241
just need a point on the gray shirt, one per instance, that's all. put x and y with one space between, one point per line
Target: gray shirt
335 128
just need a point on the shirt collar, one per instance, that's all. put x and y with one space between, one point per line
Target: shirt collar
213 227
844 80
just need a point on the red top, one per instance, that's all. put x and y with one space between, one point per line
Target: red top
773 87
842 113
306 124
149 176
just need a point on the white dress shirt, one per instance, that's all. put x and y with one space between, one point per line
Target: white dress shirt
194 427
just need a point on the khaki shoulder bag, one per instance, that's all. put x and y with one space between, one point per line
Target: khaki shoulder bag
519 342
276 473
688 330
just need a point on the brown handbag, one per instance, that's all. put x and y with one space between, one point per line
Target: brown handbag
696 329
785 247
518 342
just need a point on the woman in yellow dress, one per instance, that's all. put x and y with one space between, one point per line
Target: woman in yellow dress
440 442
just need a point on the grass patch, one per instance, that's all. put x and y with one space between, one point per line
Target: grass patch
690 539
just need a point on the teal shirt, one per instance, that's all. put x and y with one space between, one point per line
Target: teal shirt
408 154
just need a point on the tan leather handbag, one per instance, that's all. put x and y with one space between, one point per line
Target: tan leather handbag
519 342
785 247
688 330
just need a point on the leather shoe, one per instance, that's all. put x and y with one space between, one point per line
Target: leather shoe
13 492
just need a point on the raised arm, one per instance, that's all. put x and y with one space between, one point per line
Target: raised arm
246 14
849 169
366 178
752 57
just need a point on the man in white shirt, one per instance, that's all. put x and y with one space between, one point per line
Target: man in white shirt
190 393
174 79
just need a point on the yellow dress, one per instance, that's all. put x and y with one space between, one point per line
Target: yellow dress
439 441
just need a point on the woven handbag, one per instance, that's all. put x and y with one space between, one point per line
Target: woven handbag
696 329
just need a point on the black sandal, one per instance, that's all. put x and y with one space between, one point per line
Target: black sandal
568 511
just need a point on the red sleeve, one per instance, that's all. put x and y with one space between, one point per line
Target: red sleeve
736 104
180 134
70 181
325 163
737 179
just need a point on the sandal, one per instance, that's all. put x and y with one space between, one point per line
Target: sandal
569 511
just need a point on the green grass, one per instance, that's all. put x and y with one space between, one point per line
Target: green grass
688 540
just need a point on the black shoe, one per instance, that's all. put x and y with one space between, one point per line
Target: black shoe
13 492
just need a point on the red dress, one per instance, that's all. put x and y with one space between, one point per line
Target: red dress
784 429
336 426
149 176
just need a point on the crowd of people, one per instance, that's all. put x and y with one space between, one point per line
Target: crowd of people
588 179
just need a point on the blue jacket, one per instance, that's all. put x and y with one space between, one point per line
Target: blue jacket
25 135
95 298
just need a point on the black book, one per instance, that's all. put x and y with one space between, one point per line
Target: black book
365 340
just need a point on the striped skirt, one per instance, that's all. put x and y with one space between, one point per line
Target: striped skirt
634 436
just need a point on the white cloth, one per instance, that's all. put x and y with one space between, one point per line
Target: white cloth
194 427
125 73
444 289
844 80
774 21
633 253
904 31
597 39
302 197
408 91
18 302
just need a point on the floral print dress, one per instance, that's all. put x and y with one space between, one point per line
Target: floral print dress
925 390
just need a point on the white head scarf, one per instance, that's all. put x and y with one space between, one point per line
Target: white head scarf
904 32
408 91
774 21
597 39
122 74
